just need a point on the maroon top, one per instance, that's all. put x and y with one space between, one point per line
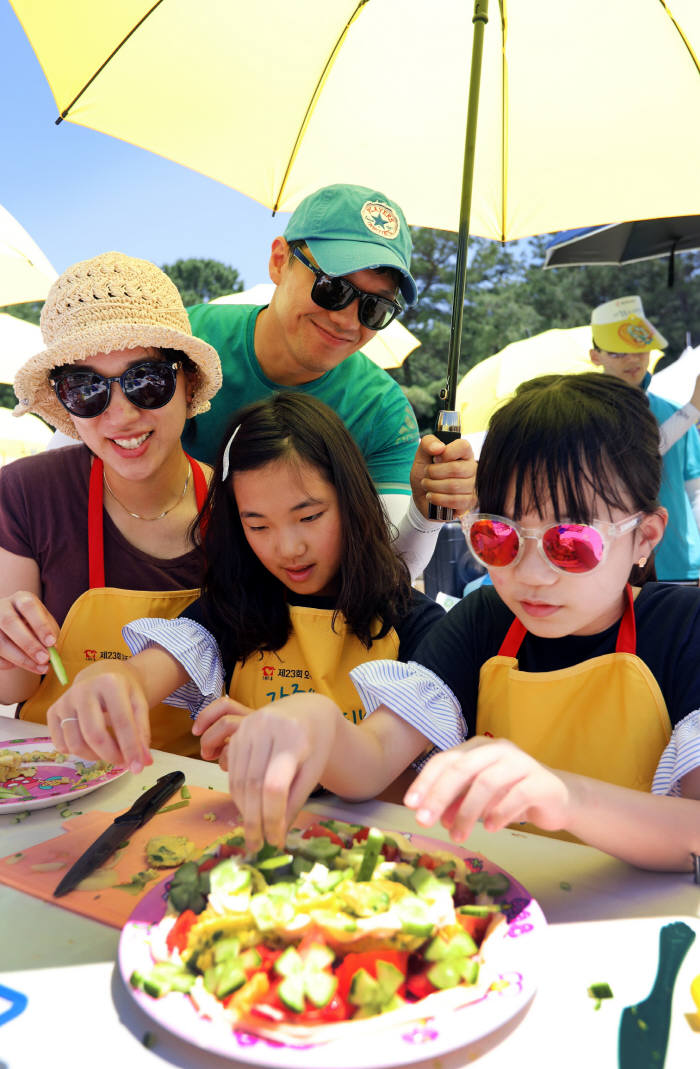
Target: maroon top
43 515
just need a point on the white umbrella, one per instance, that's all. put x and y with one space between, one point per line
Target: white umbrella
21 437
388 348
18 341
25 273
677 381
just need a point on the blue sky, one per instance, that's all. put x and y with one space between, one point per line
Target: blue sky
80 193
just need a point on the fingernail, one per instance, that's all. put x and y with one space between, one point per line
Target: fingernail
411 799
424 814
136 767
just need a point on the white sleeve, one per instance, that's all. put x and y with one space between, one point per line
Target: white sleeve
190 644
673 428
692 489
680 757
417 537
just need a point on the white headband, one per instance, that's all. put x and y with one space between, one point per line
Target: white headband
227 450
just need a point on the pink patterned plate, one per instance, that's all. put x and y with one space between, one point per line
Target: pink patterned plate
49 778
513 962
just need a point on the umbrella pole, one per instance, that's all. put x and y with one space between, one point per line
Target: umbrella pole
448 421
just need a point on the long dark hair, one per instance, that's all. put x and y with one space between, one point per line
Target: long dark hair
244 604
574 440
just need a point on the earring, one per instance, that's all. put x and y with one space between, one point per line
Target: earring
641 562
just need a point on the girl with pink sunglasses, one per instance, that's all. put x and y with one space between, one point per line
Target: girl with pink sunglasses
566 696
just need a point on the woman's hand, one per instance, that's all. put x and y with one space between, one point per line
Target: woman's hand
104 714
276 756
215 725
27 629
489 780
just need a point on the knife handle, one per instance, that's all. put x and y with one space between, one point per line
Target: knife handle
674 940
150 802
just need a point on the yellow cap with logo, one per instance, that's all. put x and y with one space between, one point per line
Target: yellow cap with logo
620 326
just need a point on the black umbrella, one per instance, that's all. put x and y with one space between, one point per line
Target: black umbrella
623 243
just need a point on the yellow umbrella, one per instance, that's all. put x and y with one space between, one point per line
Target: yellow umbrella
494 380
585 108
25 273
388 348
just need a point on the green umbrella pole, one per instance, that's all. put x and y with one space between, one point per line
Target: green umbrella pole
448 422
480 18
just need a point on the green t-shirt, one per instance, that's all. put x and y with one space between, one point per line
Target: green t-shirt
372 406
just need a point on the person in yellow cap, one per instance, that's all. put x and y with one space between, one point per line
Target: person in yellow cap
623 338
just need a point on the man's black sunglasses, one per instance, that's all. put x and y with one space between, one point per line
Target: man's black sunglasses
336 292
86 393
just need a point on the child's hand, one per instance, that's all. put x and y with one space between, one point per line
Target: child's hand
489 780
103 715
215 725
27 629
444 475
275 759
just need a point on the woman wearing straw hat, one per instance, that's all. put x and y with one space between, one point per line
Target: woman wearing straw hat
97 534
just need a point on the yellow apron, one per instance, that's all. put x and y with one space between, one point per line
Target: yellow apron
91 630
605 718
314 658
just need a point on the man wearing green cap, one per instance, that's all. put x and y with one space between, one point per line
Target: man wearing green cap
340 269
623 338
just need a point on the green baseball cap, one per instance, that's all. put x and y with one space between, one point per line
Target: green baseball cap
351 228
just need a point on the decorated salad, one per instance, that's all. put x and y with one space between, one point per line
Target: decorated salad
347 924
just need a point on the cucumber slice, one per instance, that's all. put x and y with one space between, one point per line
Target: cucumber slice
373 846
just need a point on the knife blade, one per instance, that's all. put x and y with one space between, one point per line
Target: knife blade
644 1027
119 831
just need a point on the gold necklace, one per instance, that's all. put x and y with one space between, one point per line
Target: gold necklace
149 519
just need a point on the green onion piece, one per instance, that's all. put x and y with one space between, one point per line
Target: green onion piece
57 665
185 792
176 805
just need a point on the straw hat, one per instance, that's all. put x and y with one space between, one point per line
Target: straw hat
109 303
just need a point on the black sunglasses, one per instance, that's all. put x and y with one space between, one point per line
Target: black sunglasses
86 393
336 292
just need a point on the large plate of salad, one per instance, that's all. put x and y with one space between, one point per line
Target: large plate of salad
352 946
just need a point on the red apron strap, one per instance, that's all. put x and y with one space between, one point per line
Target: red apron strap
627 633
514 636
200 483
96 545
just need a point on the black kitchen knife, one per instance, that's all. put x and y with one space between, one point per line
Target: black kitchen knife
119 831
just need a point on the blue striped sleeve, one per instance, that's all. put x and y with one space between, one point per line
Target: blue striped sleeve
415 694
190 644
681 756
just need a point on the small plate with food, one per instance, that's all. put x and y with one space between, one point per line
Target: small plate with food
34 775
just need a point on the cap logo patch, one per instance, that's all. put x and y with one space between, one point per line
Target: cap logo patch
633 332
380 219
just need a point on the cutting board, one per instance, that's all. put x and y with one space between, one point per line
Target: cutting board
37 870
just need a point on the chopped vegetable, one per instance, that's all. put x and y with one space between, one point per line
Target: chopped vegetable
185 792
57 665
599 992
175 805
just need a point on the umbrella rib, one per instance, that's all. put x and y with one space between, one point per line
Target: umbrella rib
682 36
312 102
110 57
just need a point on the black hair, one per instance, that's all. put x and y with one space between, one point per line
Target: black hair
575 441
241 599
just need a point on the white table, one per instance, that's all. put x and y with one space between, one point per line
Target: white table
604 919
